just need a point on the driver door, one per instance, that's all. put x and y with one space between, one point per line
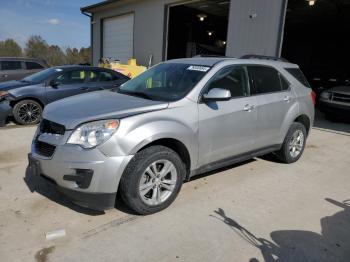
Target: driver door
67 84
227 128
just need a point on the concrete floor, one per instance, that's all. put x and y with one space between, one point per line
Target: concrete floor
256 211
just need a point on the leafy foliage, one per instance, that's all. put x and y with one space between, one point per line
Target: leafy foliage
9 47
37 47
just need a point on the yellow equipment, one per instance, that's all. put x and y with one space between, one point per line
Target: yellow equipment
131 69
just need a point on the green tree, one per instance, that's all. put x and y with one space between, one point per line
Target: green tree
56 56
72 55
85 55
36 47
9 47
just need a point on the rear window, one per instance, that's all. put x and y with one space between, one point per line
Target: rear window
10 65
296 72
33 65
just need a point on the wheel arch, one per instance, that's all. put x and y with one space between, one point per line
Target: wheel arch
16 101
305 121
175 145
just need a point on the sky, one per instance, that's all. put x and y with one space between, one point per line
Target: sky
59 22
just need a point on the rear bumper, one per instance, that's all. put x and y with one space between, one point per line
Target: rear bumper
5 112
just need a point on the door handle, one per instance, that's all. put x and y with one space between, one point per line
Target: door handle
248 108
3 76
84 88
287 99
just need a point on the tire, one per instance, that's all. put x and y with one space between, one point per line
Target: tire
140 174
27 112
286 153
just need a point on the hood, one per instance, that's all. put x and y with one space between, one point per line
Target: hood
8 85
79 109
340 89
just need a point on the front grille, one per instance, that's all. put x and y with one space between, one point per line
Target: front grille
44 149
341 97
49 127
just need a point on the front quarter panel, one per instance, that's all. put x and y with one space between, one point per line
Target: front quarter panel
34 91
179 121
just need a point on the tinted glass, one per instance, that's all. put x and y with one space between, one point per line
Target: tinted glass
165 82
284 82
231 78
11 65
33 65
298 74
72 77
102 76
265 79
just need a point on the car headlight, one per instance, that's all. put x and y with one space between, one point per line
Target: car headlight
93 134
325 95
3 95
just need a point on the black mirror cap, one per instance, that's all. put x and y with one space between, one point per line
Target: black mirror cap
53 83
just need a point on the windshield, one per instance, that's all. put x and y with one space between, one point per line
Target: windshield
165 82
40 76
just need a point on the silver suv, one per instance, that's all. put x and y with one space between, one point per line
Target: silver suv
178 119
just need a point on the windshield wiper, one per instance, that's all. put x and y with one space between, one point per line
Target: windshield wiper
135 93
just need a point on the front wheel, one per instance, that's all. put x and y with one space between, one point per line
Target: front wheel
27 112
152 180
293 145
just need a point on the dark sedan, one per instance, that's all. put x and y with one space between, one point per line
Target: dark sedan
25 99
335 103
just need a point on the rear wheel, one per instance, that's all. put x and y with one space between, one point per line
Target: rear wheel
152 180
293 145
27 112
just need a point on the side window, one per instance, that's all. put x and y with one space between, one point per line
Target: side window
11 65
102 76
33 65
265 79
233 78
284 82
71 77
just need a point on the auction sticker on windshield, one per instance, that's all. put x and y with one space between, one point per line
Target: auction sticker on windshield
198 68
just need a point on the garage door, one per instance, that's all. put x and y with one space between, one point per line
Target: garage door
118 37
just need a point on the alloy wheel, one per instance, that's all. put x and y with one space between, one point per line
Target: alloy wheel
296 143
158 182
29 113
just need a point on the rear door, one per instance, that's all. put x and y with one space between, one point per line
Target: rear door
99 79
67 84
11 70
274 98
227 128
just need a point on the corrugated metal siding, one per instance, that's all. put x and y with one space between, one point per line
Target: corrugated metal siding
255 35
118 37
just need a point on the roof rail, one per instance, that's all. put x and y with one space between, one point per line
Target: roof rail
265 58
204 55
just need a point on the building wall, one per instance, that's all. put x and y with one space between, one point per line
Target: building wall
258 35
255 27
148 28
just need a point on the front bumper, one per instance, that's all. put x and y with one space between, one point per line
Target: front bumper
5 112
88 177
331 107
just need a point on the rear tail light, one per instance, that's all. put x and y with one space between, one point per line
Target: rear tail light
313 97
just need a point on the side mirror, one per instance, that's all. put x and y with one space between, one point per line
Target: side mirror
53 83
217 94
